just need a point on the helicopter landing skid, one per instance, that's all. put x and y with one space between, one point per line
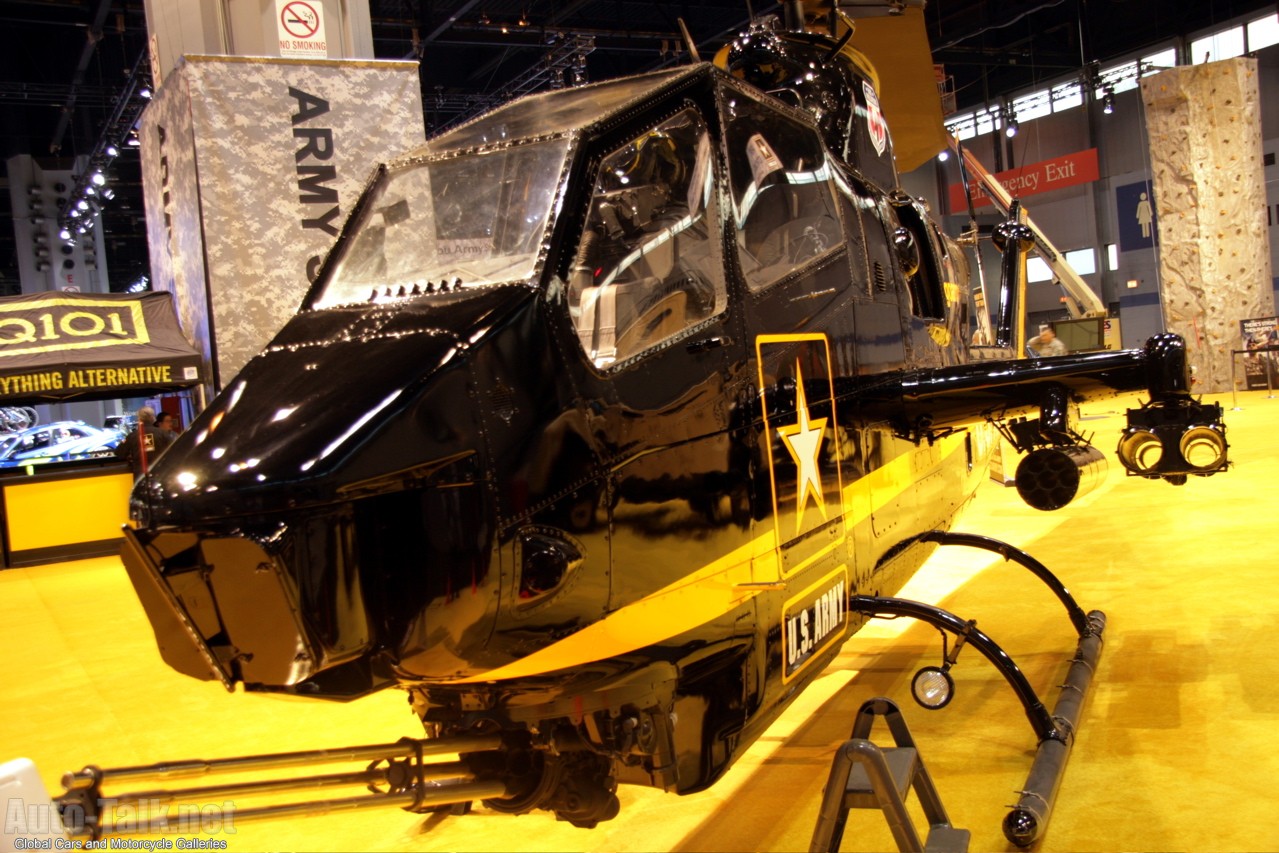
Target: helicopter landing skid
1056 731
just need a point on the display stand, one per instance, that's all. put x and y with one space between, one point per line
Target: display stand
1234 383
863 776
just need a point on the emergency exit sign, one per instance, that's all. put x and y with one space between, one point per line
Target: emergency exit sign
1067 170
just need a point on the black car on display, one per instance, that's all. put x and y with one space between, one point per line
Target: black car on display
60 441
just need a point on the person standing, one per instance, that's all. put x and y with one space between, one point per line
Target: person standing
143 443
165 421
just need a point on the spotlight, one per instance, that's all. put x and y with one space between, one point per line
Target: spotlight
943 156
1010 130
933 687
112 151
145 93
64 234
1140 450
1203 448
98 179
82 205
1108 101
108 193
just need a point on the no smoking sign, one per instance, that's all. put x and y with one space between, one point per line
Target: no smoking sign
301 29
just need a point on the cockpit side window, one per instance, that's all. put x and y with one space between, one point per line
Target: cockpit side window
783 200
648 266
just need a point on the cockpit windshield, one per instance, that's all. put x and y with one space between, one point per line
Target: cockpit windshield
553 112
473 205
477 218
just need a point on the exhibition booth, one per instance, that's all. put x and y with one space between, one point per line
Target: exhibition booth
607 419
63 492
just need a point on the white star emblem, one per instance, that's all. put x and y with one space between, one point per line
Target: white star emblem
804 441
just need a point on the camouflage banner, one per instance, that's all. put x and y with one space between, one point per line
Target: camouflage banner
250 167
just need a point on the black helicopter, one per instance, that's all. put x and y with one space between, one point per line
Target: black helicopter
612 414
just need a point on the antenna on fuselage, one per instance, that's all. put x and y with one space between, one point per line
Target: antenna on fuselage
843 40
793 16
688 40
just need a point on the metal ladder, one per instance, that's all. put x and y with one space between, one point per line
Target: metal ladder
863 776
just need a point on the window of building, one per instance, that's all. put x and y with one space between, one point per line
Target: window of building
1156 62
1037 270
1067 96
963 126
1120 78
1033 105
1213 48
1263 32
988 120
1083 261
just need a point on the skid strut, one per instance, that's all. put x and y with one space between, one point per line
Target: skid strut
1056 731
396 774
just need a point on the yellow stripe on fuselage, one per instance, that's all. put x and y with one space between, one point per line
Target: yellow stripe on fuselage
712 591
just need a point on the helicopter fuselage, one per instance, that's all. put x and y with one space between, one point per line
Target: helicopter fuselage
600 468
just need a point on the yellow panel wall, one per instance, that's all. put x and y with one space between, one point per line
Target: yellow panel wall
48 513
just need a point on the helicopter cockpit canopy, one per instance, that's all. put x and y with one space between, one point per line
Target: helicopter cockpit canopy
475 205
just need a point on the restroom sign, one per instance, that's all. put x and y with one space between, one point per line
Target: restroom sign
301 29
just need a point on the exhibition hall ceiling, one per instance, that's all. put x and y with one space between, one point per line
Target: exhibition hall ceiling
63 63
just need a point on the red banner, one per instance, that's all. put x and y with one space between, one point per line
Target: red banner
1067 170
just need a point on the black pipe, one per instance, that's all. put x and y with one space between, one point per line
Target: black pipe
986 543
1168 366
1014 240
1028 819
92 37
1044 726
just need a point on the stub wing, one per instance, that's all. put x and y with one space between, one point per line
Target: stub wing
1172 435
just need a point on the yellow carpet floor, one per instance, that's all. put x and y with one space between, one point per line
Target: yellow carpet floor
1177 751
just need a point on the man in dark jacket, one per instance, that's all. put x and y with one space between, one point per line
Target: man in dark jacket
140 447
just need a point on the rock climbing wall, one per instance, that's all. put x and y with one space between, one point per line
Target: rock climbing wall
1214 258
